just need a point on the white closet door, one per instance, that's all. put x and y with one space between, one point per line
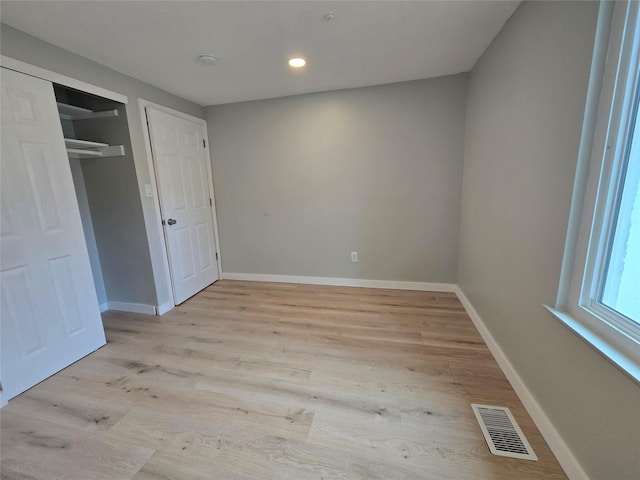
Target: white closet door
185 199
49 310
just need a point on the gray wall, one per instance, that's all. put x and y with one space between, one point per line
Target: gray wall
151 284
525 107
302 181
87 226
116 211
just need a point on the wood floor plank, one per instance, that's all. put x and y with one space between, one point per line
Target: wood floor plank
311 397
278 418
380 380
52 404
392 441
164 466
250 380
229 447
33 448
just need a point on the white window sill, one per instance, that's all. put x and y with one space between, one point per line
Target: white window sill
628 363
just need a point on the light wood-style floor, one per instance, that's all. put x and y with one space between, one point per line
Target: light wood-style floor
274 381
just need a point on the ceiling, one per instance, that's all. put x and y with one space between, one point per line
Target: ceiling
367 43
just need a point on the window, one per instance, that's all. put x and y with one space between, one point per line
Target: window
618 288
599 295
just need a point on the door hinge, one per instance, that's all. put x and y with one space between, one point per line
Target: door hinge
204 145
163 222
210 202
216 256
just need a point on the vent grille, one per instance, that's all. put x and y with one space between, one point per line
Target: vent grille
502 433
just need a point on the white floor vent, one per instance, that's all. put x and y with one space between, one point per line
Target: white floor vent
502 433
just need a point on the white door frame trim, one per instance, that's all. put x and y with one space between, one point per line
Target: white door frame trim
143 104
54 77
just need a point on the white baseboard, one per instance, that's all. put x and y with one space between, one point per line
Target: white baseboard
104 307
342 282
131 307
565 457
164 308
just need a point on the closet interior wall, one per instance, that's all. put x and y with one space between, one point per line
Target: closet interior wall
109 201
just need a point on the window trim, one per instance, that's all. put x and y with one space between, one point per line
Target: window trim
615 55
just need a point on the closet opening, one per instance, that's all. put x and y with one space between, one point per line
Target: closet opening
98 143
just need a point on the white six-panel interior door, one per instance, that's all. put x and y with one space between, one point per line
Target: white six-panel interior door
49 310
185 201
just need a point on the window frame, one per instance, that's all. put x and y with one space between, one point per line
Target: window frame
609 114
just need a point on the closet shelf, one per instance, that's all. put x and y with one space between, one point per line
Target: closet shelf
72 112
87 149
72 142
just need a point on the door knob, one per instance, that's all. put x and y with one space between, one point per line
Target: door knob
171 221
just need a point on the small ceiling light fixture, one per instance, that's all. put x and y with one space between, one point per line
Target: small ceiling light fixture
330 15
297 62
208 59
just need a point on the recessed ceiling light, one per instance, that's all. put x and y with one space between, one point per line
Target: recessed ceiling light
208 59
297 62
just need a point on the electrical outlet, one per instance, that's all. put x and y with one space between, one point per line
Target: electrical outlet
354 257
148 190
